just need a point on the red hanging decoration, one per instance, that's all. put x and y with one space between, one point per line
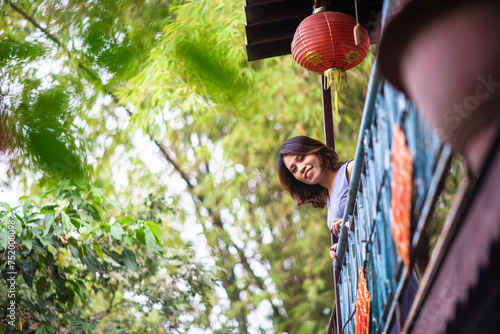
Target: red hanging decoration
363 303
330 43
401 189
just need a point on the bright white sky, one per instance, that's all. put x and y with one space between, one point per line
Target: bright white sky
11 195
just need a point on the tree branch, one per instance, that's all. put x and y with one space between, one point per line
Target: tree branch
95 77
178 168
34 22
258 280
102 314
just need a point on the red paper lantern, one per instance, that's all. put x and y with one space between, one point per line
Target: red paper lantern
329 43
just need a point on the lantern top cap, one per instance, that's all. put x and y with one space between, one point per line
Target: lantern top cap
323 9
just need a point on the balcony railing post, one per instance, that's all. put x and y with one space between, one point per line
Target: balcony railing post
336 277
330 142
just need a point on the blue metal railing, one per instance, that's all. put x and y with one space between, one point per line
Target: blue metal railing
368 241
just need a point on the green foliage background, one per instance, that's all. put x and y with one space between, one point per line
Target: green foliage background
155 102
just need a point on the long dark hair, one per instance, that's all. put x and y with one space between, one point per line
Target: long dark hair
304 193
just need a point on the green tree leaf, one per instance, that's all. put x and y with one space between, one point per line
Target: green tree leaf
115 204
41 330
141 236
66 221
41 284
98 250
45 242
97 195
28 243
129 259
6 206
4 241
150 241
117 232
155 229
91 264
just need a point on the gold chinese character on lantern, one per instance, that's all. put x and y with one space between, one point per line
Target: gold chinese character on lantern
352 56
314 58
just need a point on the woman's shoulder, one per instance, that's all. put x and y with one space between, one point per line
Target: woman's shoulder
349 169
341 183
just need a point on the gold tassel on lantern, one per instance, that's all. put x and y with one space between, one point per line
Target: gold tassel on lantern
337 79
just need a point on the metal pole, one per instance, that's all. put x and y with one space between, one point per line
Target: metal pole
368 111
336 278
330 142
327 114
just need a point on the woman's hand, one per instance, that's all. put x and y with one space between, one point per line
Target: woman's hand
336 224
333 249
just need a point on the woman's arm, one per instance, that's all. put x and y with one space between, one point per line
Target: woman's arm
336 225
350 166
333 251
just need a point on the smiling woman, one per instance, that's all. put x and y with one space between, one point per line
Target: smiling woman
310 171
307 170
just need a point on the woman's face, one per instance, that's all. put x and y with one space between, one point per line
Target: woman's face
305 168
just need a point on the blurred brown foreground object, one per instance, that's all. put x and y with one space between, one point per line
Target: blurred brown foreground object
444 55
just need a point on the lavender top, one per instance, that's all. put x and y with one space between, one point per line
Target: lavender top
337 200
